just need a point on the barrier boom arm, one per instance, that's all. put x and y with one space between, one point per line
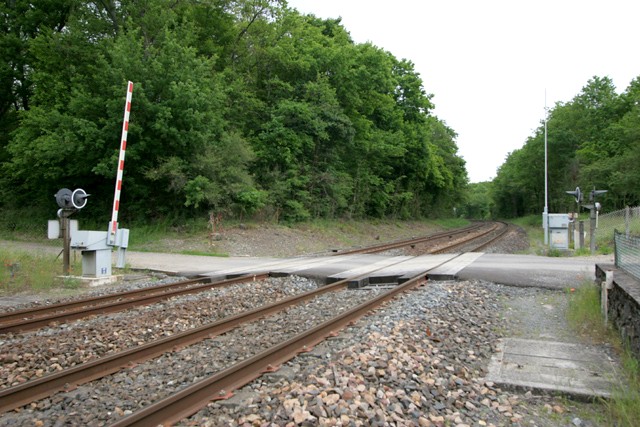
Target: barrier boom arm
113 225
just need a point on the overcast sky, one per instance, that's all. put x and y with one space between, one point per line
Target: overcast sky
488 63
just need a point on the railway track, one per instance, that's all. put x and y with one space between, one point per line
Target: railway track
15 397
28 319
481 240
431 239
500 233
33 318
217 386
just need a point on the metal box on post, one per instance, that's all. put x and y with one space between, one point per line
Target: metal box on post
96 254
559 231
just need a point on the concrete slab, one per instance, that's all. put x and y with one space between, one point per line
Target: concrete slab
322 272
296 267
450 269
545 366
521 270
410 267
91 282
178 263
277 265
362 270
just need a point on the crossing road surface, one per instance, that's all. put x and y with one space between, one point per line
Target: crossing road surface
518 270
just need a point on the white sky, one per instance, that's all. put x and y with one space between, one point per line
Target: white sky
489 62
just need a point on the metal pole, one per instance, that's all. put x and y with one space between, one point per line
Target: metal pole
66 242
545 216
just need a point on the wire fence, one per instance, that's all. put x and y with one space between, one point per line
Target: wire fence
626 220
623 227
627 253
12 229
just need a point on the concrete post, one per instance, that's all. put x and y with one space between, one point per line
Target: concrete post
604 298
572 226
581 230
592 230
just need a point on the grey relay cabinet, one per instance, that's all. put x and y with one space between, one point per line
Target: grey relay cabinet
559 230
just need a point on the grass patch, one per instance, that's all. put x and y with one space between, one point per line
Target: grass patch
624 406
584 316
529 221
582 252
553 252
452 223
203 253
22 271
604 249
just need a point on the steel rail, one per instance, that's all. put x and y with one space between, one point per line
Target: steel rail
20 395
401 243
464 242
69 305
191 399
31 312
493 239
118 305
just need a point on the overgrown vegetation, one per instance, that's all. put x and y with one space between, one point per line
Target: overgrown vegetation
346 232
22 271
532 224
584 313
585 317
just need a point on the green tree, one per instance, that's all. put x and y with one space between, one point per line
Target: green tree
623 181
592 141
243 107
478 203
22 22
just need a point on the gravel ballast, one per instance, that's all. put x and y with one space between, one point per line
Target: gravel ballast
420 361
33 354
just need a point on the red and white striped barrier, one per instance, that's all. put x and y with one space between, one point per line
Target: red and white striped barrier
113 225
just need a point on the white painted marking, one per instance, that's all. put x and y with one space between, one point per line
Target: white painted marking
370 267
455 265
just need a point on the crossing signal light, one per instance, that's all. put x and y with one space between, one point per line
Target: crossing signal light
577 194
594 193
67 199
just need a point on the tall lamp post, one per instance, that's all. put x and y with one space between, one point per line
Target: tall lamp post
545 214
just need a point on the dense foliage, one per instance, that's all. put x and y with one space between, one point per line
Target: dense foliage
245 108
593 141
